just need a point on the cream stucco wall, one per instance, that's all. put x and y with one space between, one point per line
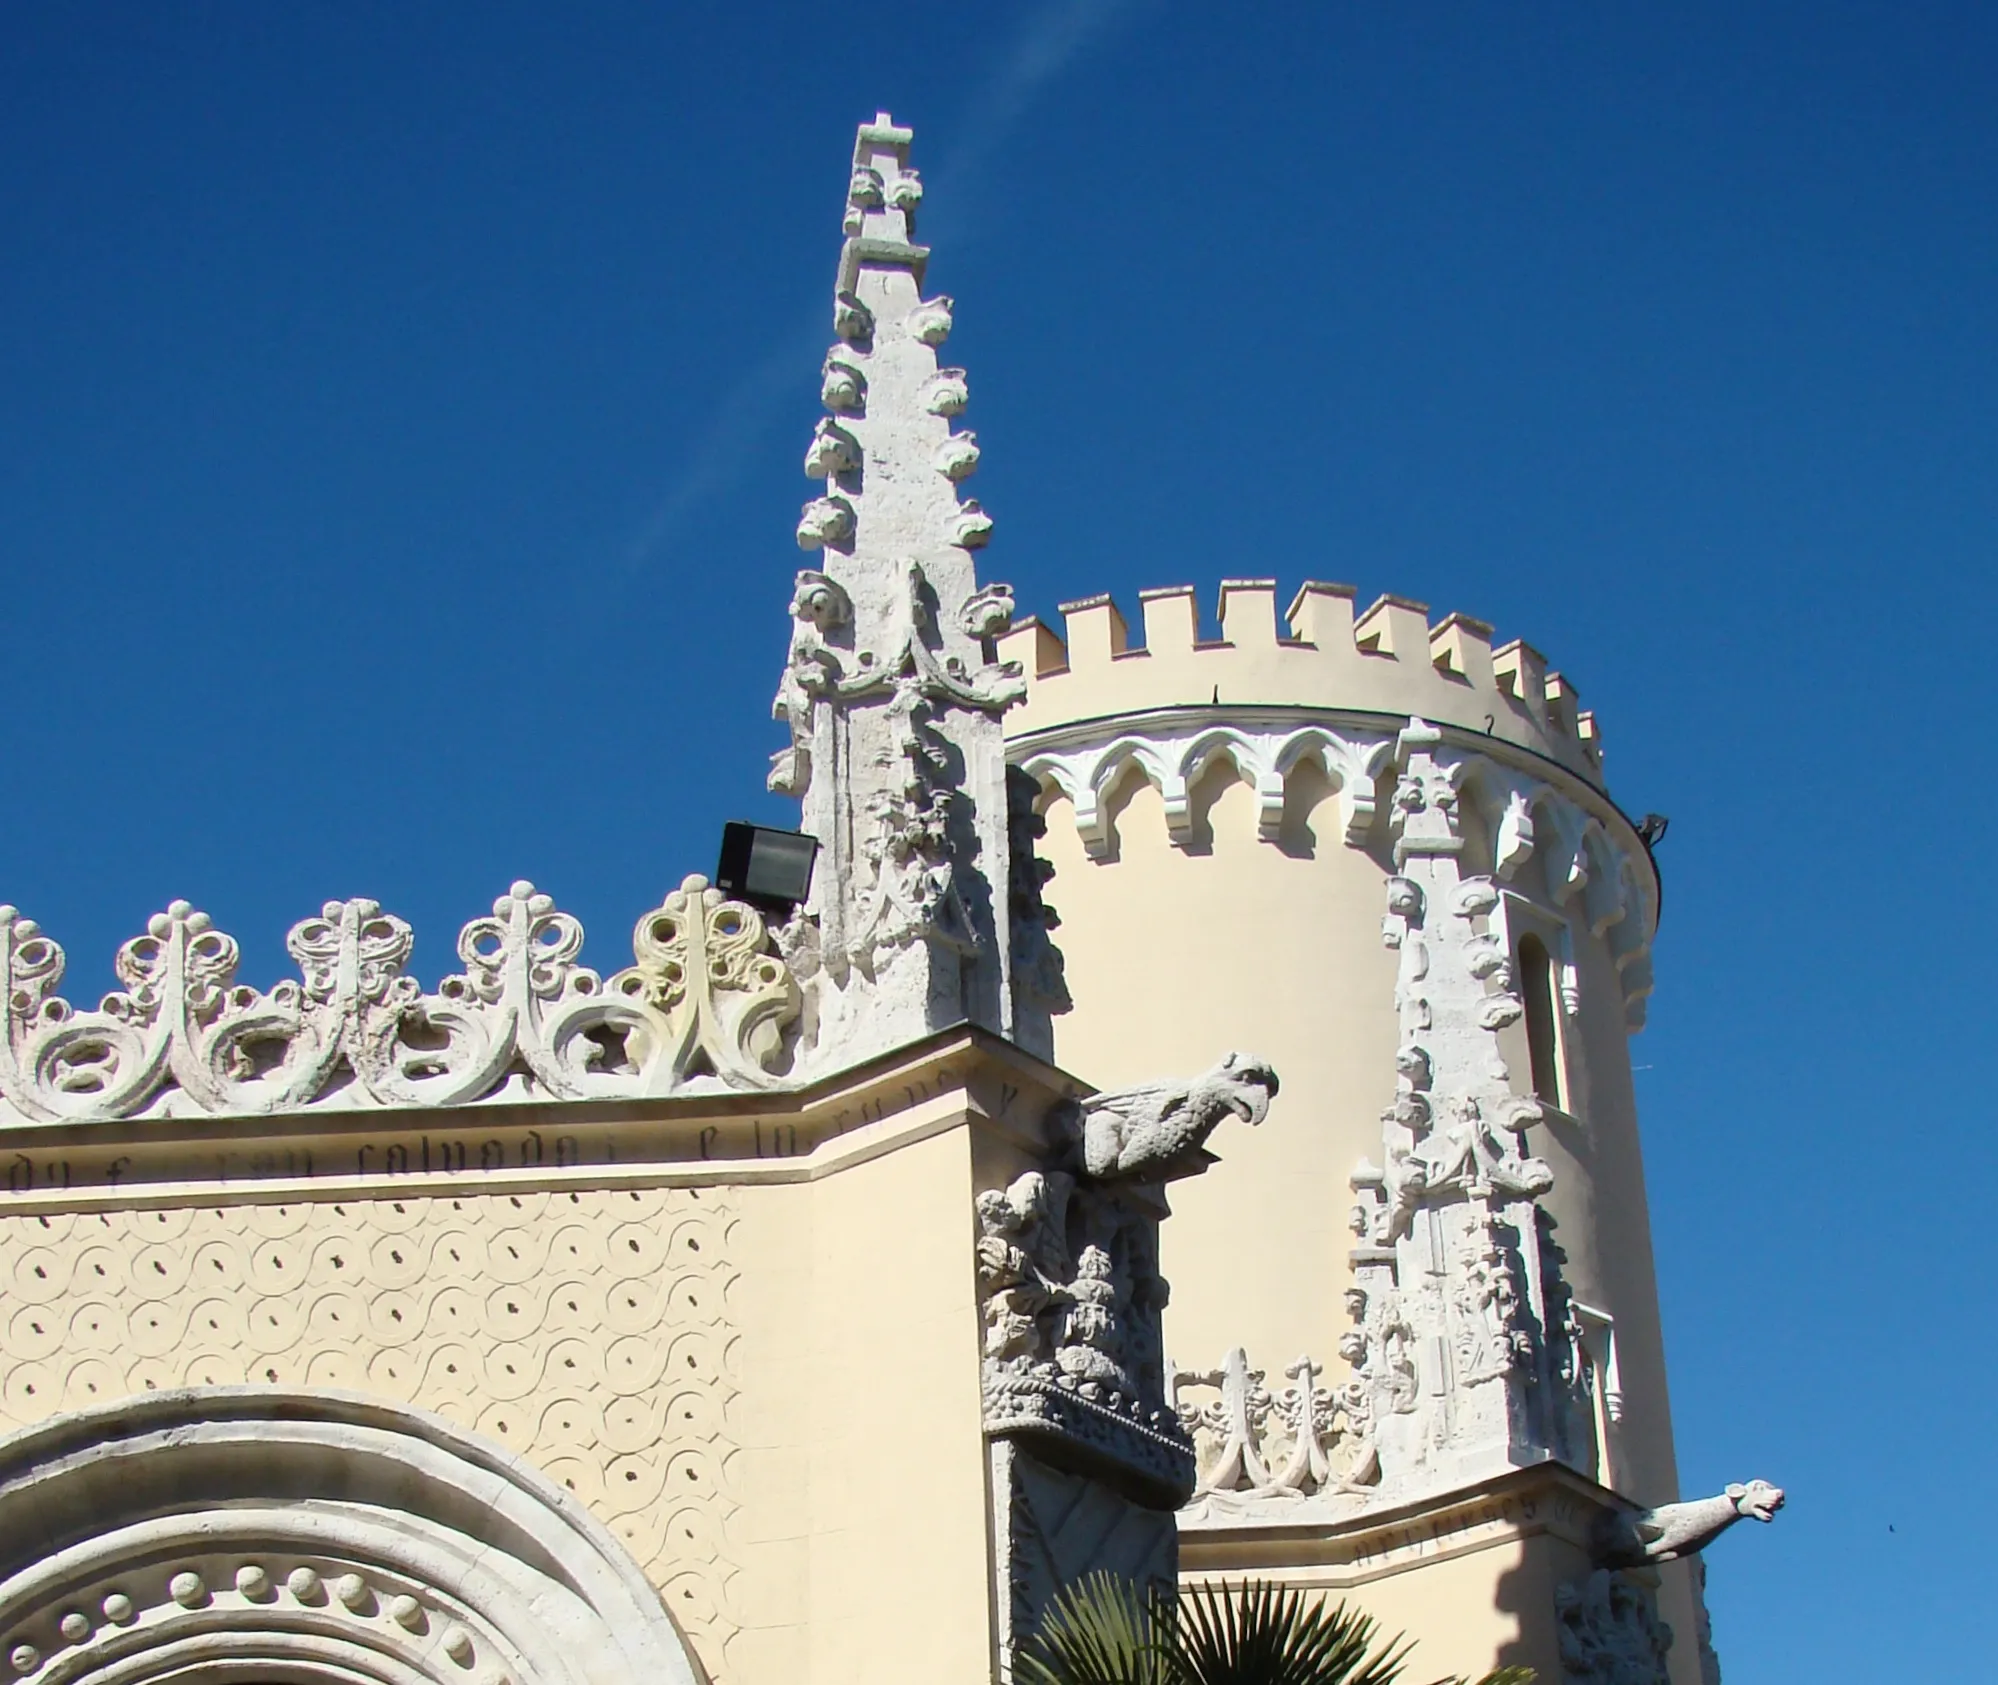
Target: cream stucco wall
1221 883
1174 956
747 1335
1215 895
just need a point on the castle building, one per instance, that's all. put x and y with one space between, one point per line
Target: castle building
777 1306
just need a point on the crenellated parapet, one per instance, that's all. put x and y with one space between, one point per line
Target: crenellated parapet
1387 660
1334 696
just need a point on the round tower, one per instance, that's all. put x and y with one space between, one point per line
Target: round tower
1379 853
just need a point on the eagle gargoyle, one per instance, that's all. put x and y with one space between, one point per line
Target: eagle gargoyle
1158 1132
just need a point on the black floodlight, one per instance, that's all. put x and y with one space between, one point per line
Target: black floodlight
771 870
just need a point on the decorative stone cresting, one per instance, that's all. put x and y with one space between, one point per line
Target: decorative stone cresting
707 1005
1259 1448
586 1332
893 690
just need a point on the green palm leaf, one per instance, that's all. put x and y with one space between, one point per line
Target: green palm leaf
1105 1630
1273 1635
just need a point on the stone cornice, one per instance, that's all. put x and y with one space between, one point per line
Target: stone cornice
954 1078
1316 1552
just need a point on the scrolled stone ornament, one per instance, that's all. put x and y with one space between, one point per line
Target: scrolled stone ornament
971 527
948 394
931 320
852 320
842 388
832 452
707 966
957 457
825 522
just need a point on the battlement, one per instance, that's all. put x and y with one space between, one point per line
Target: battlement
1388 660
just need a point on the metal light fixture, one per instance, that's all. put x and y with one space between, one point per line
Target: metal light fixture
771 870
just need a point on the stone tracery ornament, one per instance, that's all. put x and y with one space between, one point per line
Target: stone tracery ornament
524 1015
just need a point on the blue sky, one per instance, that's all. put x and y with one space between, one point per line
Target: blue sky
400 418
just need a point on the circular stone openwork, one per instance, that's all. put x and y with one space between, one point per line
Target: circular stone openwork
259 1537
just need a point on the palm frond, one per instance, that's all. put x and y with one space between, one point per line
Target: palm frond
1107 1630
1103 1630
1266 1634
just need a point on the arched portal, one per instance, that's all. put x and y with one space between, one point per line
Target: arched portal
239 1536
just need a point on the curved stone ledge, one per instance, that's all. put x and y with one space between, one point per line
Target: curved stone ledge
289 1529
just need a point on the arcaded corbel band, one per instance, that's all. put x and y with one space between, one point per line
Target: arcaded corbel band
1674 1530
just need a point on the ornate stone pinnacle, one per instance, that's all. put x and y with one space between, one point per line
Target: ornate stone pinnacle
894 691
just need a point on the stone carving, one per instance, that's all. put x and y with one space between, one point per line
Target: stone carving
893 691
852 320
930 321
842 387
1465 1345
971 527
1157 1133
587 1334
957 457
1174 760
1052 1528
1671 1531
169 1537
1260 1449
183 1036
1068 1266
864 189
832 452
825 521
948 393
1610 1633
1040 986
1516 815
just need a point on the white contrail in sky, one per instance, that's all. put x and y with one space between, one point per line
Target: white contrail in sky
1051 40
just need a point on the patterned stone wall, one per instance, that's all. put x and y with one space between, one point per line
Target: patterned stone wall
585 1329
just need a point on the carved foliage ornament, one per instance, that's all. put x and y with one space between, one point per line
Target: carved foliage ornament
707 998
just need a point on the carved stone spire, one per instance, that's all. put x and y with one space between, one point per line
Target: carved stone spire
893 691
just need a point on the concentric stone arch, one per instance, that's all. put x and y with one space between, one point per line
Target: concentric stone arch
250 1536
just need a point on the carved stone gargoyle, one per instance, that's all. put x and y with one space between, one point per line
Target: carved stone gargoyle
1144 1137
1635 1540
1068 1264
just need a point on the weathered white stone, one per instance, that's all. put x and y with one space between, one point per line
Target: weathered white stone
893 692
439 1547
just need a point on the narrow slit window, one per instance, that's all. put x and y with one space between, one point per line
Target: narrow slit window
1543 1031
